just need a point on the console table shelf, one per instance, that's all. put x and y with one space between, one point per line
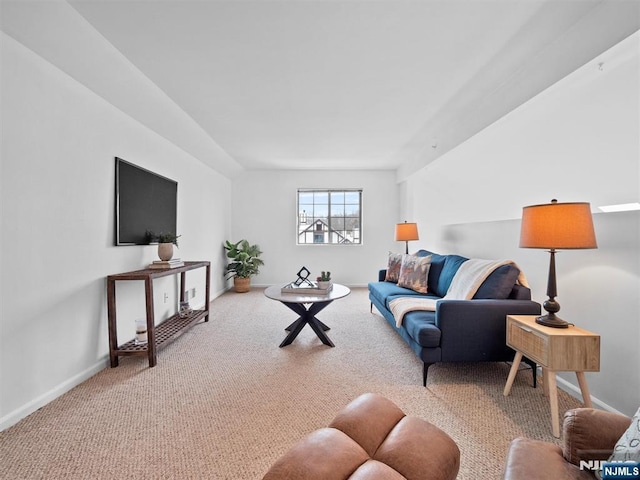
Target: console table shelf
158 335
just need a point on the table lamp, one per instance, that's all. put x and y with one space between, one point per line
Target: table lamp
406 232
556 226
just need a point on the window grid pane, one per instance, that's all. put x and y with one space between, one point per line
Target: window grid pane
329 217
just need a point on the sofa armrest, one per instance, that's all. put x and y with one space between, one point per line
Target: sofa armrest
475 330
382 274
591 434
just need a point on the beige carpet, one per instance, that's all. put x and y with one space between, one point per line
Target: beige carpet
224 401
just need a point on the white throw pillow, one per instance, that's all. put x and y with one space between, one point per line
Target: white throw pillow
627 449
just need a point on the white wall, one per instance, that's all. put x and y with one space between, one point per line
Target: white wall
59 140
577 141
264 212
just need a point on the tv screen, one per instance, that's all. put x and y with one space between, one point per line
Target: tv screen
145 202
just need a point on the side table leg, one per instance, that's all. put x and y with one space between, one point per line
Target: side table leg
512 373
553 401
151 334
111 318
584 389
207 291
545 385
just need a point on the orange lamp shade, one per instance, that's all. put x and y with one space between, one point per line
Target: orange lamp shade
558 226
406 232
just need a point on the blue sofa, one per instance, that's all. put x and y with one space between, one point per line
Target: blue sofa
459 330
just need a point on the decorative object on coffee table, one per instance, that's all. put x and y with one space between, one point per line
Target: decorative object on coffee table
406 232
303 285
324 280
556 226
245 263
303 278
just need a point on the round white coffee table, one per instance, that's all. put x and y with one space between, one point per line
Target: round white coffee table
307 305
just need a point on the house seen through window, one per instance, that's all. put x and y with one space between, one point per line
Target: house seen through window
329 217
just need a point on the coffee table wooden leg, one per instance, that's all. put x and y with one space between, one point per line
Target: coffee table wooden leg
293 324
316 325
323 326
296 328
307 316
512 373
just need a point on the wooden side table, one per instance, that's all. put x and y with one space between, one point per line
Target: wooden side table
555 349
165 332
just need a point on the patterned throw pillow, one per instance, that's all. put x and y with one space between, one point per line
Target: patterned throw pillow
393 267
414 273
628 447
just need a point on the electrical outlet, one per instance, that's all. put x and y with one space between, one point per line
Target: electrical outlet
187 295
166 297
193 292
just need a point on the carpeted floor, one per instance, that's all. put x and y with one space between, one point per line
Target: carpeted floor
224 401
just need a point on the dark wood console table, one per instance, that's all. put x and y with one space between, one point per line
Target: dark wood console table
163 333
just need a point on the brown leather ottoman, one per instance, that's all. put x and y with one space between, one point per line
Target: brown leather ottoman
371 438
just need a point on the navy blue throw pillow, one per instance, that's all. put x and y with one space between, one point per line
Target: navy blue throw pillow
499 284
450 265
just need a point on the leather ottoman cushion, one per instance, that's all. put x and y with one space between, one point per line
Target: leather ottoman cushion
325 454
371 439
415 447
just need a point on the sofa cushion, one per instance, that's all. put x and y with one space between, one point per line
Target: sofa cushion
414 272
448 266
421 326
382 291
498 284
393 267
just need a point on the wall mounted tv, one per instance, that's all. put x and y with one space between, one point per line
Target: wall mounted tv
145 201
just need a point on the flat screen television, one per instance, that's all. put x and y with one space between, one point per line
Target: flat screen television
145 202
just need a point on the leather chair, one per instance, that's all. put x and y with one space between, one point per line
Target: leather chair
588 434
371 438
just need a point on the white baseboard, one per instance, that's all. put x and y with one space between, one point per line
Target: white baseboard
25 410
575 392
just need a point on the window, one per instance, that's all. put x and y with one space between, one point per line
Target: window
331 217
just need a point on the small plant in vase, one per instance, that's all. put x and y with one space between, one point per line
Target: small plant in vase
324 280
166 241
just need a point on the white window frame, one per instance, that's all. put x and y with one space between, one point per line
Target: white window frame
316 222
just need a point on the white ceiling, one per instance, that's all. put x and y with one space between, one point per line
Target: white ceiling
354 84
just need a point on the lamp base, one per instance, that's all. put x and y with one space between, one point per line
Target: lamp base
551 320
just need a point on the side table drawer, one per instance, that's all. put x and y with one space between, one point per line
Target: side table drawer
530 343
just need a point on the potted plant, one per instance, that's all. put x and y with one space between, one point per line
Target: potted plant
324 280
166 241
245 262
